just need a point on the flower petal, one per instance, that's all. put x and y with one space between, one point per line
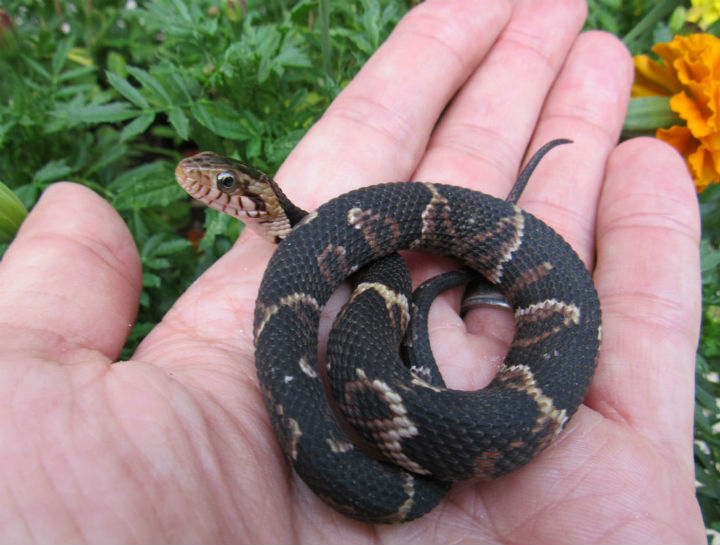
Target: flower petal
689 110
653 79
690 71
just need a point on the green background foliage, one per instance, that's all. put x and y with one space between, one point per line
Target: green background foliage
111 96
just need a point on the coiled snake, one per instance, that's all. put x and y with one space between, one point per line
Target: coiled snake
428 436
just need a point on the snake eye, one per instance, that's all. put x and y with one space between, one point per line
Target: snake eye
226 182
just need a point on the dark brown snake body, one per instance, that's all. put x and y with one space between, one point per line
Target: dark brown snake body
428 435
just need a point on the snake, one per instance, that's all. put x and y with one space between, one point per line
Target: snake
417 436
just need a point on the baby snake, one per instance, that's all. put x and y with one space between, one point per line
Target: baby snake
427 435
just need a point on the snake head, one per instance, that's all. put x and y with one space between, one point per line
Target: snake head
237 189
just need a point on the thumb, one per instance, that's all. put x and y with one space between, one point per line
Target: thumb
71 279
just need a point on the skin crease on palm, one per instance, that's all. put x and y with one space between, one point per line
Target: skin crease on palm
175 445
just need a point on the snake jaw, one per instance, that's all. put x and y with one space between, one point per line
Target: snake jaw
236 189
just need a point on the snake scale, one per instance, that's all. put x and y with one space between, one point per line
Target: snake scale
427 435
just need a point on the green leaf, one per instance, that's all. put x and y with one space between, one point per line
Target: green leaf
280 148
253 148
221 119
37 67
125 89
12 213
150 280
52 171
156 170
709 261
267 43
180 84
148 185
160 193
172 246
108 156
290 53
5 128
359 39
137 126
75 73
301 11
148 249
97 113
60 55
116 64
157 248
78 90
144 299
180 123
28 194
150 83
219 225
182 9
157 263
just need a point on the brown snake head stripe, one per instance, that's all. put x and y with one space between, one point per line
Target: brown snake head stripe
239 190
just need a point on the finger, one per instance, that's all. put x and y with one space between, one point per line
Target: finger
482 137
71 279
378 127
648 279
587 104
593 57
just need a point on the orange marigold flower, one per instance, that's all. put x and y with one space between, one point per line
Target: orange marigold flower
690 74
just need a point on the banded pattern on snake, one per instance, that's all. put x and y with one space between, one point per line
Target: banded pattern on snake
428 435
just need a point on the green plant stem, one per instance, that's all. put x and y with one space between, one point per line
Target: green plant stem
325 35
653 17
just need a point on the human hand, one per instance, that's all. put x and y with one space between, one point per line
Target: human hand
175 445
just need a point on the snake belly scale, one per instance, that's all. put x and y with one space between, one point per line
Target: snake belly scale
429 436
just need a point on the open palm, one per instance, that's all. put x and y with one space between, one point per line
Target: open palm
175 445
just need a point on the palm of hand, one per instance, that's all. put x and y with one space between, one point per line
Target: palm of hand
175 444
